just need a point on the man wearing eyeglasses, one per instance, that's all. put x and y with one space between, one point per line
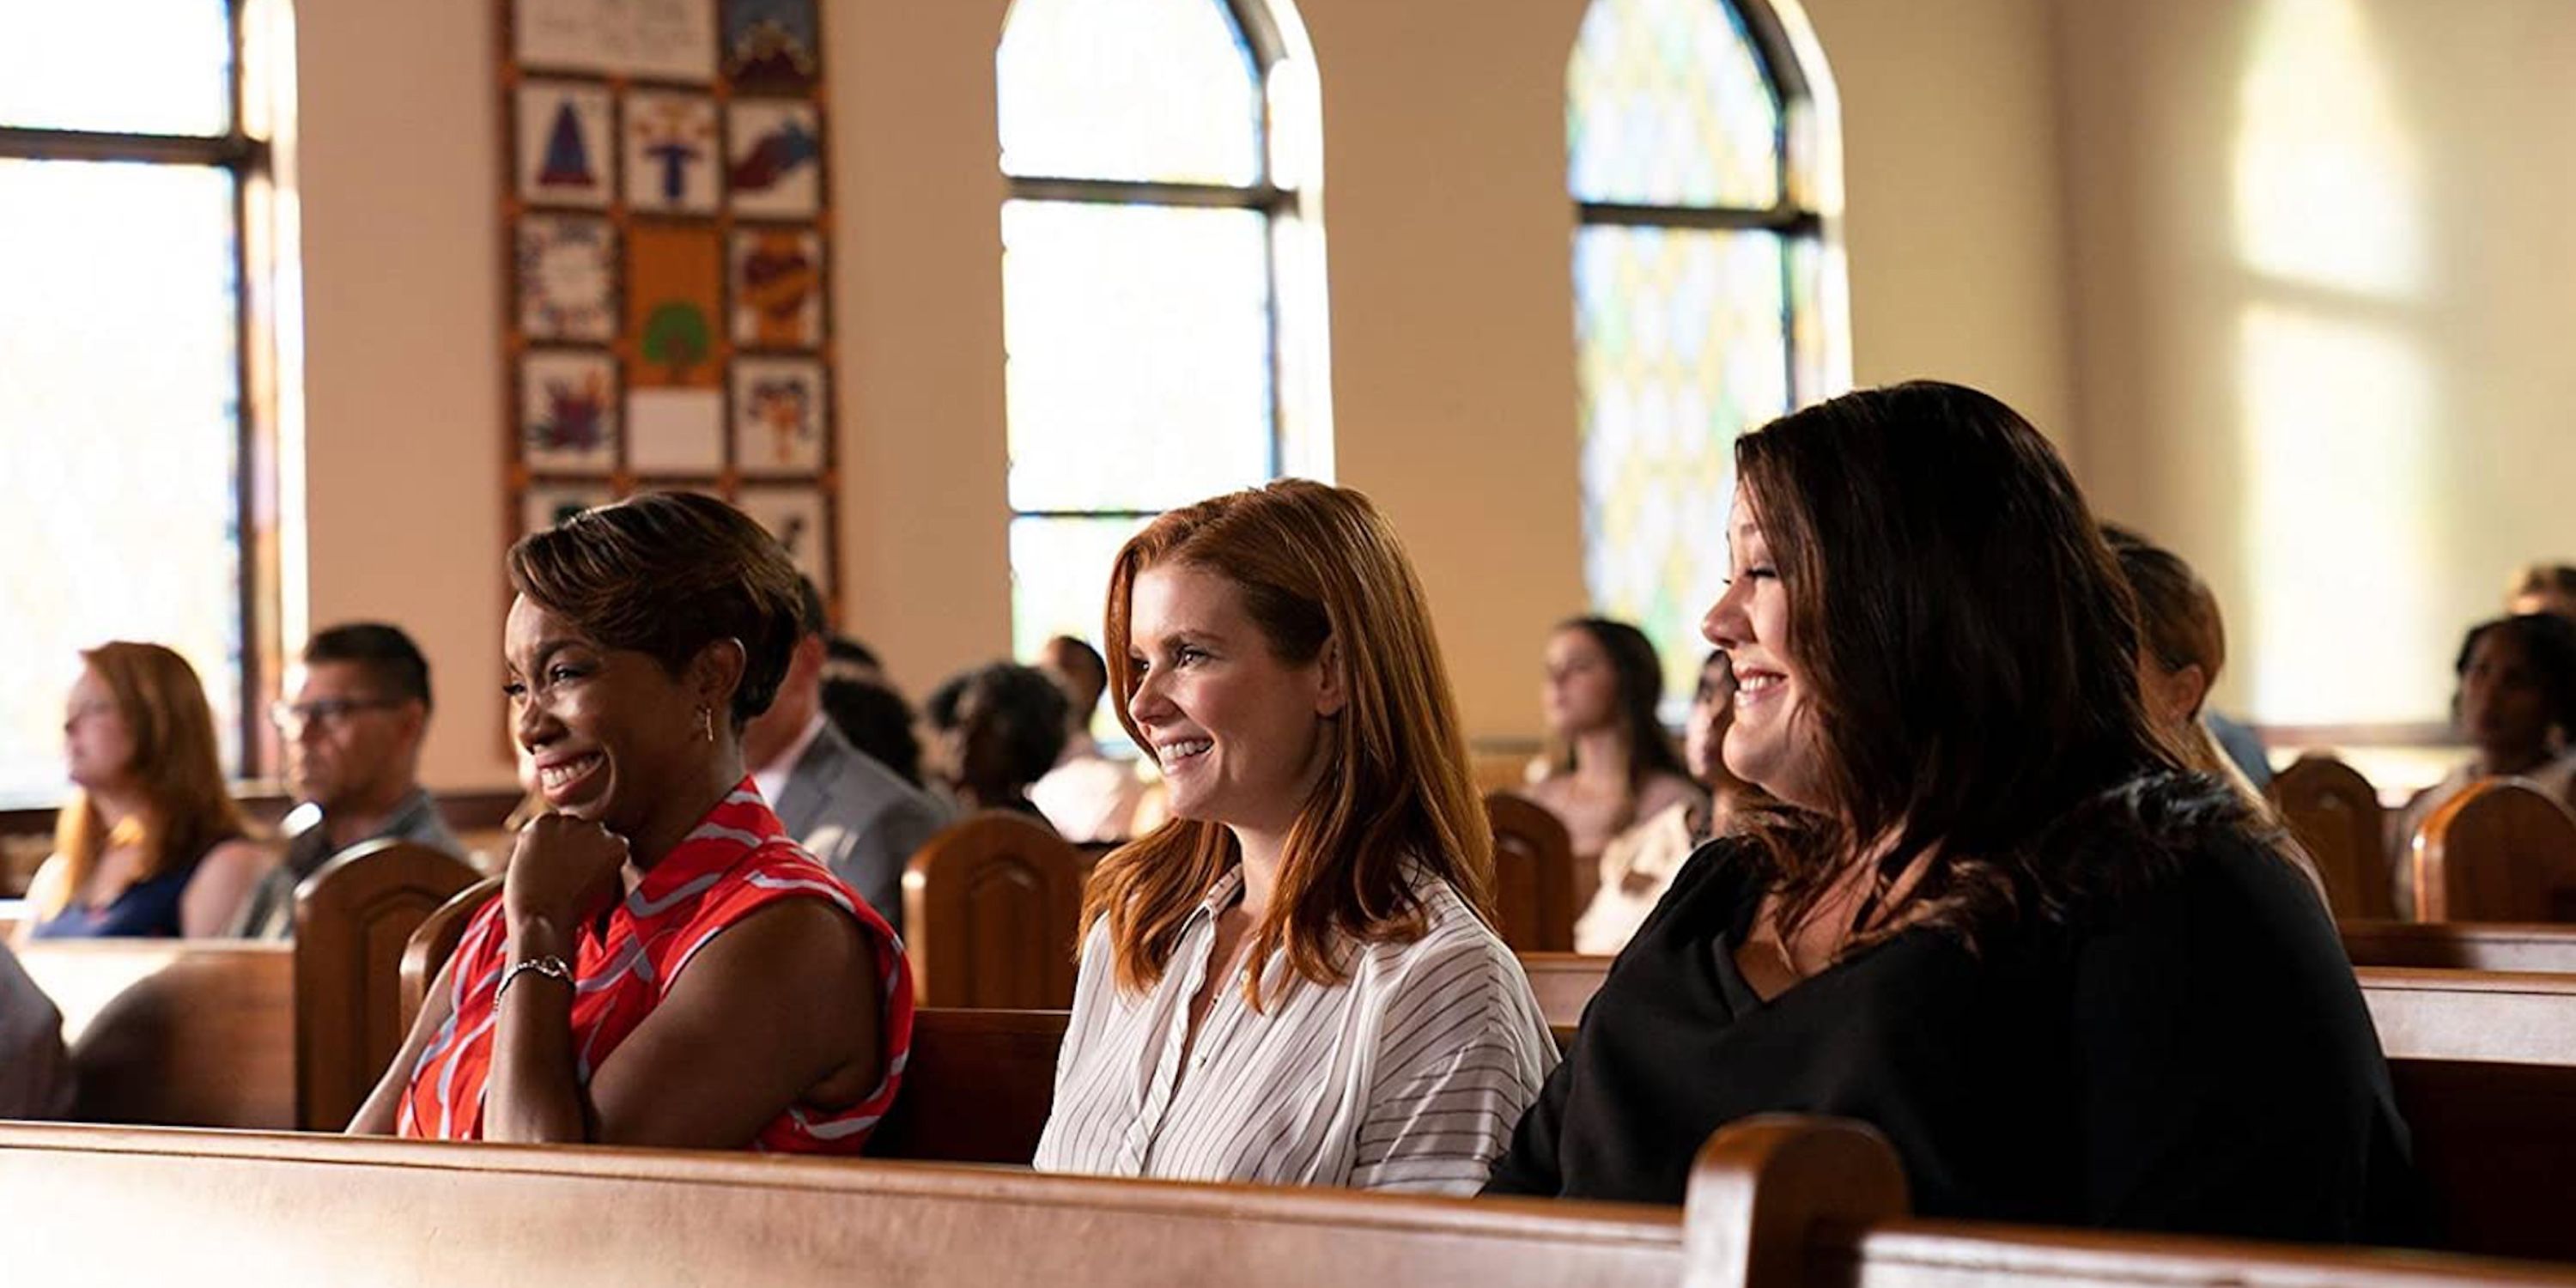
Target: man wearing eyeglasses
353 732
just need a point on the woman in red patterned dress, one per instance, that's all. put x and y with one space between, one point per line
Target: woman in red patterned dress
664 965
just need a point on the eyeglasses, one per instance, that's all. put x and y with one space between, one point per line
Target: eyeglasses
330 713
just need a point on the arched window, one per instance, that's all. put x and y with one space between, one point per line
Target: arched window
1161 277
1703 161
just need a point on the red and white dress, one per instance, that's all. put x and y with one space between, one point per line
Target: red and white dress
738 860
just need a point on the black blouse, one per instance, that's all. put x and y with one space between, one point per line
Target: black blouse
2201 1060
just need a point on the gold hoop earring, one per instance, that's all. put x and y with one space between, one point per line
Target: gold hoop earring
706 725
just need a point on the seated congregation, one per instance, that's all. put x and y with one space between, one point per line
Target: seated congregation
1945 854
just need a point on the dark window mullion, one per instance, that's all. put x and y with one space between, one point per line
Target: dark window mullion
1131 192
1785 220
236 151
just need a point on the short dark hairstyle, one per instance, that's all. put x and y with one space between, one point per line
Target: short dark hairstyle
667 574
2549 642
877 721
811 617
1029 706
2543 579
1085 665
841 648
390 658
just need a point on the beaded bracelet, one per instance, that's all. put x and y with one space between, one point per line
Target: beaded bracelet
550 966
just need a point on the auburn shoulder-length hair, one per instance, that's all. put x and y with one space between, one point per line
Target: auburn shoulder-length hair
1969 648
186 809
1314 563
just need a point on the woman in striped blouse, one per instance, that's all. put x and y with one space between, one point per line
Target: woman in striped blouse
1294 981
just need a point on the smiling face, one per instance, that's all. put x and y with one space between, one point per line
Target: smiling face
1772 742
1582 689
611 735
98 744
1239 733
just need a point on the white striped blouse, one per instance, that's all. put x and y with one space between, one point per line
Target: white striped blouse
1409 1076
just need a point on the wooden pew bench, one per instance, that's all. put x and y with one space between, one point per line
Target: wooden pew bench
2462 945
1774 1203
293 1210
226 1033
182 1032
1790 1201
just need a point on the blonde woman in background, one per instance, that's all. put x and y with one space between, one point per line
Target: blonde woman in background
151 843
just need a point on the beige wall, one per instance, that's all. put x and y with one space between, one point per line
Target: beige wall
1447 227
2323 267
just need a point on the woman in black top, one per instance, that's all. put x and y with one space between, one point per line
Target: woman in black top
1990 915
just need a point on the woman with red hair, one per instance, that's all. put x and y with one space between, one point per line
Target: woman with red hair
1296 979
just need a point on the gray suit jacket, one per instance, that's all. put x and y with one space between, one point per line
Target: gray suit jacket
861 820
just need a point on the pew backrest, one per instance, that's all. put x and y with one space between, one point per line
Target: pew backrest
2491 1017
1779 1201
353 918
2462 945
433 941
175 1031
2500 850
977 1088
327 1210
1533 874
2335 815
990 907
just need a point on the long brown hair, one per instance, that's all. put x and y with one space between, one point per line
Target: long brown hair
1313 563
1969 645
186 809
2179 625
1637 689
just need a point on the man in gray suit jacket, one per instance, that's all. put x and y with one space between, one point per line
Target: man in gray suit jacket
856 815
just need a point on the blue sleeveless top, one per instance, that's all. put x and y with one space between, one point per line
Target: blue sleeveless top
147 909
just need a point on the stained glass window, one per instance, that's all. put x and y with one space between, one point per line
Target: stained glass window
1155 150
122 415
1698 267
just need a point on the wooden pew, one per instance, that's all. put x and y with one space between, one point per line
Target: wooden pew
353 918
2335 814
1781 1201
2461 945
292 1210
2484 1067
183 1032
1533 874
990 909
224 1033
2501 850
977 1089
1774 1202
